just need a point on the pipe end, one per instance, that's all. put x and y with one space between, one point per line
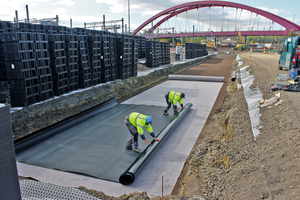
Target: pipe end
126 178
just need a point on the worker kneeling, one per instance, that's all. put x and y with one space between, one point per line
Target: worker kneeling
173 97
135 123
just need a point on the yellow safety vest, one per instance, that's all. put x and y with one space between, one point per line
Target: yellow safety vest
174 97
139 121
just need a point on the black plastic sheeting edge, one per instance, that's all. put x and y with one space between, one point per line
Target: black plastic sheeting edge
47 132
128 176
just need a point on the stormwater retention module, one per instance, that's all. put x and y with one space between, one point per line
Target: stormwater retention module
93 143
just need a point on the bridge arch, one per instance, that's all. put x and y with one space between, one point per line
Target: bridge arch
173 11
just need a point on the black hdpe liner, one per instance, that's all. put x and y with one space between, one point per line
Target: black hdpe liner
45 133
128 176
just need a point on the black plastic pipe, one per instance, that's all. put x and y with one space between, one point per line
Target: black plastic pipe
128 176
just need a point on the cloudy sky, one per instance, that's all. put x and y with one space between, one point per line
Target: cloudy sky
81 11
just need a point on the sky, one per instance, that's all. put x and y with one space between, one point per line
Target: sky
204 19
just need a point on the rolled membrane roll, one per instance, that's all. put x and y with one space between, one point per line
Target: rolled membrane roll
196 78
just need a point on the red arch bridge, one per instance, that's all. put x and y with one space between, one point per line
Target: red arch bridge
169 13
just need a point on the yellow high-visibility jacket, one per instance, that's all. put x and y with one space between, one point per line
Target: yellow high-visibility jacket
174 97
139 121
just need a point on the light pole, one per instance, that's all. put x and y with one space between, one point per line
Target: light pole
293 18
228 25
129 16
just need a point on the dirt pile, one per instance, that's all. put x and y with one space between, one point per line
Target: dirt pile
232 164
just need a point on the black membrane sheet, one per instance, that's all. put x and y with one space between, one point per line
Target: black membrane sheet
94 145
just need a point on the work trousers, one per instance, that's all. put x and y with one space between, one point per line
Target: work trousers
169 104
133 140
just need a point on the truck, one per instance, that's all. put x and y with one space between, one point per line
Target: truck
290 54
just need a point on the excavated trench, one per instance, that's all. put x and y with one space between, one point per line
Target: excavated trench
122 90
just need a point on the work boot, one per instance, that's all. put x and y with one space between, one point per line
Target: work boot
175 113
136 149
129 144
165 113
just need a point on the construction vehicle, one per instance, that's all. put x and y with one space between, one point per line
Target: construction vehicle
209 45
205 42
241 45
290 55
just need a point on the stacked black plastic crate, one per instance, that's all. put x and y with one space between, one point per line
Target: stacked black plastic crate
134 60
113 57
42 55
58 63
123 57
197 50
51 29
78 31
3 77
157 54
188 50
141 41
85 76
168 58
39 28
23 27
71 42
129 57
141 47
105 59
94 45
204 50
194 50
6 26
63 30
121 60
20 69
149 51
61 62
164 52
3 90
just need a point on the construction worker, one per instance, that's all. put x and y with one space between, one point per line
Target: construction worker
135 122
173 97
264 49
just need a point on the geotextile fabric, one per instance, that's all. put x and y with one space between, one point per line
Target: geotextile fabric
93 146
